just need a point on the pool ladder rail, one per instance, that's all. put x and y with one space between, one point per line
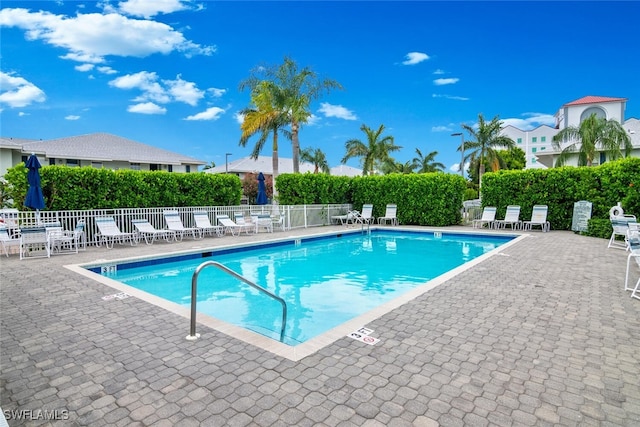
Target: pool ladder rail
194 291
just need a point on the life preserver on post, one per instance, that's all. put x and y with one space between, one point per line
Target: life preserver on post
616 211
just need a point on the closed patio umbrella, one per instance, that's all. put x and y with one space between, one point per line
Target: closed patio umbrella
261 199
35 198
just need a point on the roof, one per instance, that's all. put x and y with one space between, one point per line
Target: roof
285 165
15 143
590 99
106 147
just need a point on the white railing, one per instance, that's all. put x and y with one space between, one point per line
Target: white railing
295 216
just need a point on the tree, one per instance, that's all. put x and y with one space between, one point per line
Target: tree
485 143
513 159
317 158
377 148
391 166
593 135
265 116
209 166
427 163
295 89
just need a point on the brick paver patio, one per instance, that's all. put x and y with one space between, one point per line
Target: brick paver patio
541 334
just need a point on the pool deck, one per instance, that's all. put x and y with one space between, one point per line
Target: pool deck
542 333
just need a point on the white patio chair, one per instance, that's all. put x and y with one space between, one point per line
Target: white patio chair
634 246
7 241
34 243
488 218
538 219
620 225
511 218
262 221
390 215
175 223
109 233
238 218
204 224
230 226
366 216
149 233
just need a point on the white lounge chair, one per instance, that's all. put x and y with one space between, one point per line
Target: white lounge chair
175 223
262 221
62 241
7 241
238 218
230 226
620 225
204 224
389 215
538 219
149 233
488 218
366 216
349 218
109 233
34 243
634 246
511 218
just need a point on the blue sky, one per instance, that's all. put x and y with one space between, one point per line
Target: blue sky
166 72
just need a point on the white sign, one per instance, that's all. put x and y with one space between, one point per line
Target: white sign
362 335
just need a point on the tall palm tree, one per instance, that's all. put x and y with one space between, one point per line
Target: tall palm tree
299 87
486 143
594 134
427 163
263 117
317 157
391 166
377 148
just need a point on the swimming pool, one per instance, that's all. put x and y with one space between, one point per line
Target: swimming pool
326 280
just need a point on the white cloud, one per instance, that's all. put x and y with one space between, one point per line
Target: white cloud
216 93
531 121
107 70
18 92
184 91
147 9
145 81
446 128
336 111
84 67
212 113
21 114
455 98
91 37
456 167
313 120
72 117
439 72
449 81
414 58
147 108
239 118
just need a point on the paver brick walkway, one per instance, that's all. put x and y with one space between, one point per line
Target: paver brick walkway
542 334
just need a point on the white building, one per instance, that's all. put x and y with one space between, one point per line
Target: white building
537 143
98 150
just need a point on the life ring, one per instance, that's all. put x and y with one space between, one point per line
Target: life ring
616 211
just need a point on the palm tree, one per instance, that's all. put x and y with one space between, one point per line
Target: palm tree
298 87
317 158
209 166
391 166
486 143
376 149
427 163
594 134
264 117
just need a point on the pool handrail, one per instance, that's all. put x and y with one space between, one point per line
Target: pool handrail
194 291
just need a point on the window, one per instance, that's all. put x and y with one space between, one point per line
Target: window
543 139
170 168
543 148
534 160
188 168
52 162
534 139
73 162
154 167
533 150
519 140
97 165
24 159
135 166
603 157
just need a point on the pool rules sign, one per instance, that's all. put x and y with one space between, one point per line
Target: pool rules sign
581 215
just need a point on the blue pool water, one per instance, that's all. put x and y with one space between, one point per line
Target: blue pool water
324 281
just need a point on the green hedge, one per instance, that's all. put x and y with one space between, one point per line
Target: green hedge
423 199
66 188
560 188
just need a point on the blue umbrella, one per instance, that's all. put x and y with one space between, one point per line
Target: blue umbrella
35 198
261 199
